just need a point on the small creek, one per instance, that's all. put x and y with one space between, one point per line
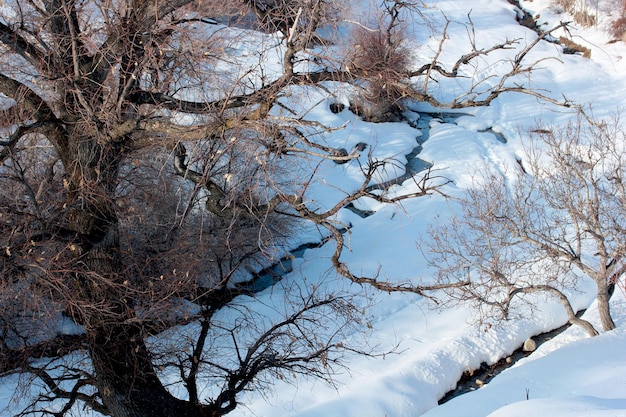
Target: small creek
274 273
470 380
474 379
414 164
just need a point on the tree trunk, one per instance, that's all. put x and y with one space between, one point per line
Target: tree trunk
571 314
125 375
604 308
591 331
126 378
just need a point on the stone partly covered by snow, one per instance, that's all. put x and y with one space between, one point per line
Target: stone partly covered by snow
529 345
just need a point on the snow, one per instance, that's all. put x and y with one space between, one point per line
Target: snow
571 375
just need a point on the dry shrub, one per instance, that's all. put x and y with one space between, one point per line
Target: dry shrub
583 18
565 4
618 28
284 16
222 10
382 60
571 47
578 9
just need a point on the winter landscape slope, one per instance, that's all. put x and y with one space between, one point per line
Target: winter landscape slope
429 349
571 375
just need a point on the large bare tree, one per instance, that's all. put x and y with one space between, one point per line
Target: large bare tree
144 175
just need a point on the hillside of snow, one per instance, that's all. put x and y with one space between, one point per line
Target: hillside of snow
428 349
571 375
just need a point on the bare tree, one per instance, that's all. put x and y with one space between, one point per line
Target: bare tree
100 226
539 229
144 167
381 57
499 268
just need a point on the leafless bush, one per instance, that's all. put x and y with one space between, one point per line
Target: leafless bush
483 247
292 16
580 11
570 46
379 56
383 64
618 28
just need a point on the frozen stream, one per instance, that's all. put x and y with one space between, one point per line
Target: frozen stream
472 379
272 274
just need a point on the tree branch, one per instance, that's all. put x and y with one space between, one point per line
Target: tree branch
72 396
571 314
21 46
26 98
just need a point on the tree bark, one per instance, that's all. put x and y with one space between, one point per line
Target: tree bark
127 380
125 376
571 314
604 308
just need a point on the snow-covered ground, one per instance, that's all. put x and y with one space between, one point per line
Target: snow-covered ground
572 375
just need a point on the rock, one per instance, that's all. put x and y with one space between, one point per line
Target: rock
340 153
479 383
509 359
529 345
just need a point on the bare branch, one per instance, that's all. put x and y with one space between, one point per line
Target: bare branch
21 46
528 232
72 396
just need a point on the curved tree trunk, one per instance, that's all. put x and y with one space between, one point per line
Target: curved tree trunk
126 378
591 331
604 308
571 314
125 375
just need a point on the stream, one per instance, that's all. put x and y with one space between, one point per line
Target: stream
474 379
274 273
470 380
